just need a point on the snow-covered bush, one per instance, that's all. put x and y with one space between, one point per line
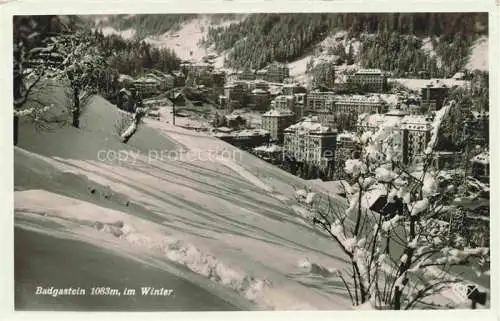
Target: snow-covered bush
401 253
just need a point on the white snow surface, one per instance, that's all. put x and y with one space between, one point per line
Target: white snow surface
230 220
478 59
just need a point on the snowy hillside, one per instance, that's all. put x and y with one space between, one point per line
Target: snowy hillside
479 57
199 216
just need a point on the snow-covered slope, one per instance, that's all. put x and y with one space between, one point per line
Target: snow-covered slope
206 212
478 59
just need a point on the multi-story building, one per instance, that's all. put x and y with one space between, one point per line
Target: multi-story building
284 102
277 73
292 89
358 104
261 74
196 68
146 86
223 101
258 84
481 166
433 95
259 99
246 74
236 94
416 131
179 78
276 121
300 105
409 134
310 142
319 100
373 80
218 78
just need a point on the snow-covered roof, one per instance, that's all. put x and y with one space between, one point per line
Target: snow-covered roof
146 80
279 112
233 116
123 77
358 98
310 125
436 83
483 158
269 148
346 136
259 91
421 122
369 71
252 132
224 129
397 112
480 114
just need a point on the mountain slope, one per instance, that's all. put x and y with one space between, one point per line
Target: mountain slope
214 221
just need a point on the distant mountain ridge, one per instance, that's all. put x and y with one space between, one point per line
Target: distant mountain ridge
431 44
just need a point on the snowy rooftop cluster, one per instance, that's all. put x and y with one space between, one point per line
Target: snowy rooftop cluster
310 125
279 112
358 98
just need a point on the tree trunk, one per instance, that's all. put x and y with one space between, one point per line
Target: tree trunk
130 131
76 108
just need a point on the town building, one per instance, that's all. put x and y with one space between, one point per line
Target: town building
433 95
284 102
179 78
235 94
259 99
319 100
293 88
410 134
358 104
246 74
445 160
246 139
300 105
276 121
218 78
146 86
272 153
223 101
196 68
235 121
416 131
261 74
310 142
480 166
258 84
373 80
277 72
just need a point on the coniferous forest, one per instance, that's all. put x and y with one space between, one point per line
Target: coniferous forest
390 41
